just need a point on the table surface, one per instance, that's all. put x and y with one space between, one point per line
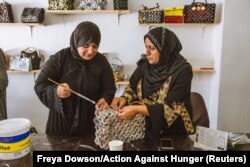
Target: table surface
43 142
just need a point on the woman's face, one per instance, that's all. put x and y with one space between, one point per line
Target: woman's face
152 53
88 51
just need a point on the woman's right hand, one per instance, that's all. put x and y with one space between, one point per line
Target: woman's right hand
63 90
118 103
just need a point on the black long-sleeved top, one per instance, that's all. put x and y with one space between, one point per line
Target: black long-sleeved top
93 79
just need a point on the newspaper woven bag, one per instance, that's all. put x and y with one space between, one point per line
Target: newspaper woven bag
61 4
108 128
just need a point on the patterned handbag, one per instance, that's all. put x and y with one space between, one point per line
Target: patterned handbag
92 4
61 4
6 14
109 127
33 15
199 12
151 15
120 4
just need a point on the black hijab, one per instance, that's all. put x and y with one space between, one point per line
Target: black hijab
85 32
170 61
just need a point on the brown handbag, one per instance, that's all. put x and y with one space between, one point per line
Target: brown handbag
199 12
6 14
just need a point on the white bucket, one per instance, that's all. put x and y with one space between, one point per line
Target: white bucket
14 138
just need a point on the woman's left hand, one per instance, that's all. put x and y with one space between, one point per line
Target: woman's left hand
127 113
102 104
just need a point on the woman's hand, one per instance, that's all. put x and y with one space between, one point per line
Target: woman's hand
63 90
118 103
102 104
127 113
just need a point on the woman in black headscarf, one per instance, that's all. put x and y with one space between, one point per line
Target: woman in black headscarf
161 84
83 69
3 86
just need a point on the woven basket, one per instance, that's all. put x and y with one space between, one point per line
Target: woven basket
120 4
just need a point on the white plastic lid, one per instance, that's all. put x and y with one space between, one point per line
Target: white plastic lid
14 126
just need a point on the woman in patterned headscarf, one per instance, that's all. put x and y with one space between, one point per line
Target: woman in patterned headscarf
161 84
83 69
3 86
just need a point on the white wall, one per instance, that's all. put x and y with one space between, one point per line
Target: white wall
234 101
201 46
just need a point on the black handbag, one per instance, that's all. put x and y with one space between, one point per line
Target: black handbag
199 12
33 15
120 4
151 15
6 14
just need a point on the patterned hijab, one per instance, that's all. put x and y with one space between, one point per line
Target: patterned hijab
85 32
170 61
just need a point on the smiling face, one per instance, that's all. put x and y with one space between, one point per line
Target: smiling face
152 53
88 51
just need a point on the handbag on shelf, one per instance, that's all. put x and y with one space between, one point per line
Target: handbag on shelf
92 4
199 12
151 15
117 66
174 14
20 63
61 4
36 58
6 14
120 4
109 127
33 15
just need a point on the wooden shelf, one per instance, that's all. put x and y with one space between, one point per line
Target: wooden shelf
22 72
178 24
203 69
71 12
22 24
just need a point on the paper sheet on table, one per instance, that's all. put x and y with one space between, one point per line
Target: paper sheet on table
210 139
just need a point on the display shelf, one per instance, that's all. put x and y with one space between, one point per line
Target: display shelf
79 12
178 24
72 12
22 24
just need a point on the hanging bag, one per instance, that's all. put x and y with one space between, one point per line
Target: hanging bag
199 12
6 14
151 15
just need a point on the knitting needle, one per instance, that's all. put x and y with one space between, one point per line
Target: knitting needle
74 92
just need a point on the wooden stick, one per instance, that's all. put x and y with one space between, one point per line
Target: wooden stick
74 92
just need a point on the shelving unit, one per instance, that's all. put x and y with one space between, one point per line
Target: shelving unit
77 12
73 12
22 24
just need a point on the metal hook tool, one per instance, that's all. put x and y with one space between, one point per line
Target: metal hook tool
74 92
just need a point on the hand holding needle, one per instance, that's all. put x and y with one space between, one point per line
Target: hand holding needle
74 92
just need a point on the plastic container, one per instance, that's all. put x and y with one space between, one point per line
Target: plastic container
14 138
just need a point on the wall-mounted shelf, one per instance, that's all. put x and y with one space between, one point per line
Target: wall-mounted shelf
195 69
178 24
76 12
72 12
22 24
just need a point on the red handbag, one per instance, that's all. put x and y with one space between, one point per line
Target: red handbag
199 12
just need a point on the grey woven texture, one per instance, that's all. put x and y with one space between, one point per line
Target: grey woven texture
109 127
